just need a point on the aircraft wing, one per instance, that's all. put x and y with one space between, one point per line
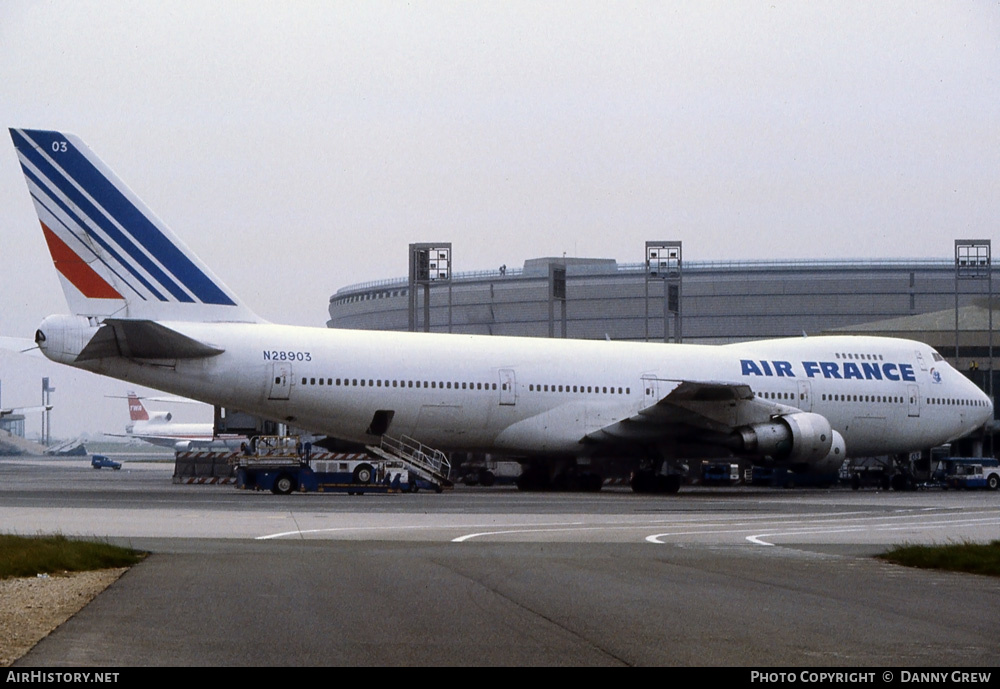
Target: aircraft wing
691 408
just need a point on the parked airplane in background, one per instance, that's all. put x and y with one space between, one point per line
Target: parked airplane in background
158 428
148 311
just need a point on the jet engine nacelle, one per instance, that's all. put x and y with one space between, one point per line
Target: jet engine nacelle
834 458
802 437
62 338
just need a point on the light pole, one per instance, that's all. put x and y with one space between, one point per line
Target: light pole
974 261
557 293
46 411
663 264
430 263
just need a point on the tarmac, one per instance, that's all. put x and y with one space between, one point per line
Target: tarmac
736 577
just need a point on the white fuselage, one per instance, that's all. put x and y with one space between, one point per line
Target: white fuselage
542 396
168 434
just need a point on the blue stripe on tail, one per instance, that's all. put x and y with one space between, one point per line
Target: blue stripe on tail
128 216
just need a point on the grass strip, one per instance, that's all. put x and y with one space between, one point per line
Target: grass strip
28 556
974 558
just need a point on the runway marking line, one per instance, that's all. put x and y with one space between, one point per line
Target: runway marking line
687 528
380 528
758 538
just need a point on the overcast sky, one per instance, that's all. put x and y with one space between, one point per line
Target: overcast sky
298 147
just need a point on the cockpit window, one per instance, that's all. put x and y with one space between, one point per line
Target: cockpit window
937 357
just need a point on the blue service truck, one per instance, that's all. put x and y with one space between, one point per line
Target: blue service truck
102 462
719 473
971 472
283 465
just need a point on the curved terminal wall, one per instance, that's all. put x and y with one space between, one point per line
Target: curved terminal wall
721 301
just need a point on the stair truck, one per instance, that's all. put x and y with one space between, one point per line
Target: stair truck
283 464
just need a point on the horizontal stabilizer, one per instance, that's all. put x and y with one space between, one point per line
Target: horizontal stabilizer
21 345
25 410
144 340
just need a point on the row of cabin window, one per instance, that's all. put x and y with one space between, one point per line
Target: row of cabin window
891 399
899 400
380 383
956 402
355 382
778 395
868 357
600 389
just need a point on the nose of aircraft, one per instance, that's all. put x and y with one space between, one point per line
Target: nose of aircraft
985 408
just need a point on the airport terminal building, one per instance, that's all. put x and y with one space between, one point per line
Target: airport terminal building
717 301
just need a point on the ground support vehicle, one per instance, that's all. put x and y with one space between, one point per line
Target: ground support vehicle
720 474
781 477
281 465
869 476
354 476
491 472
971 472
102 462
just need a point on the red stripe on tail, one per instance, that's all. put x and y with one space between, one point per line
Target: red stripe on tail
76 270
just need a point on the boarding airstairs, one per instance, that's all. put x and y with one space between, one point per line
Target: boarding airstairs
426 462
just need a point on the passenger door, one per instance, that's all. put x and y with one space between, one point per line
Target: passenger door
281 381
913 393
508 387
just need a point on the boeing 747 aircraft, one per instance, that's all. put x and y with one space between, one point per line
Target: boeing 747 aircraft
146 310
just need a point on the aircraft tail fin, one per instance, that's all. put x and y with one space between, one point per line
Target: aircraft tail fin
136 410
113 255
